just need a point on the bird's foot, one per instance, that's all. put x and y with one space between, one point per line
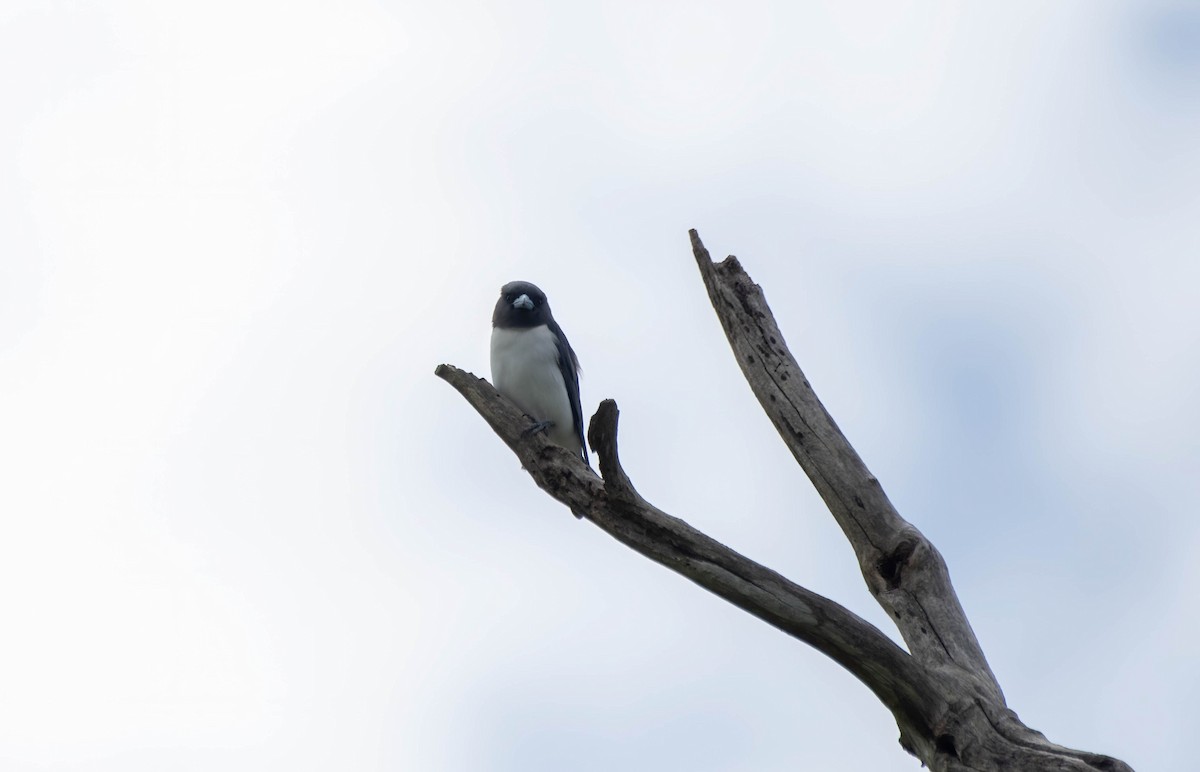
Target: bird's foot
540 426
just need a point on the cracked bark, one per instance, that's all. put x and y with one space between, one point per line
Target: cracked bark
947 703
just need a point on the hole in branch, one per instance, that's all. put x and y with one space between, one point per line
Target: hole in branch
891 567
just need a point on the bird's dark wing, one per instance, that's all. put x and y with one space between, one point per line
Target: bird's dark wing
568 364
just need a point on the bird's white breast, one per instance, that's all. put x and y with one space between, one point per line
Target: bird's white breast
525 369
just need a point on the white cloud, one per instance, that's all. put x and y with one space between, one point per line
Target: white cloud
246 527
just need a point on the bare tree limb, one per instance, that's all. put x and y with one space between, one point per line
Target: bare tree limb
903 570
947 703
617 508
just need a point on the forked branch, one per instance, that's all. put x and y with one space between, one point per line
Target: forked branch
946 701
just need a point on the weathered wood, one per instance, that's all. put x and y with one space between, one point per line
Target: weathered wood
617 508
947 703
903 570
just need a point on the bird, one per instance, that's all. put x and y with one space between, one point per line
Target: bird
534 366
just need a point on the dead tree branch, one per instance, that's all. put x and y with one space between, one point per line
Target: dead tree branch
947 703
617 508
903 570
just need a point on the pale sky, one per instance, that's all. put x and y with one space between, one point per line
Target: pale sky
244 527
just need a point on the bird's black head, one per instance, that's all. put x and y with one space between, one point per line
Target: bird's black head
521 304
